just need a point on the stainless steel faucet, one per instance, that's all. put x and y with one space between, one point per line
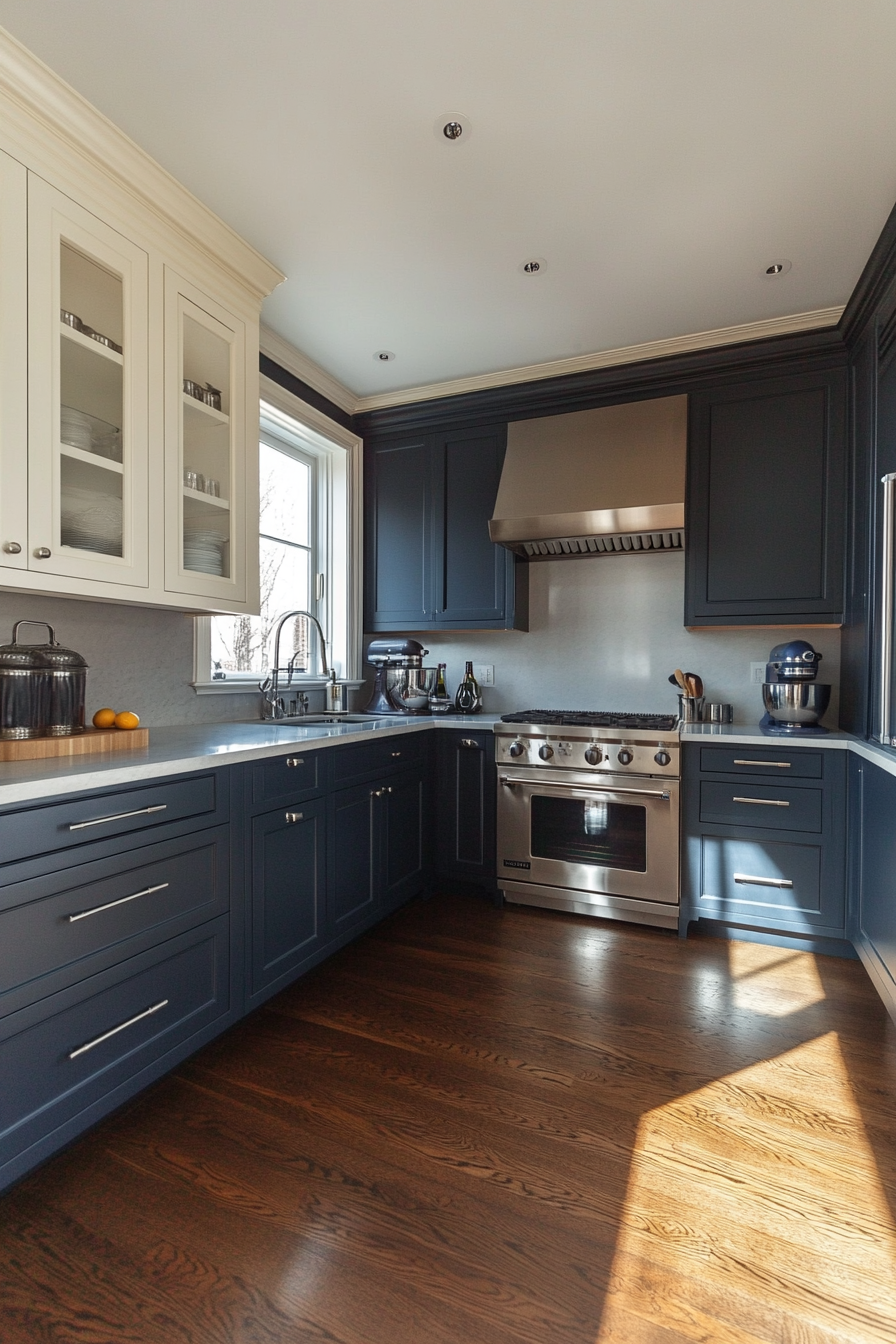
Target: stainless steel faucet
273 702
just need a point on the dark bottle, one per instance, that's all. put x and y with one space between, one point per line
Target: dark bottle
441 690
469 697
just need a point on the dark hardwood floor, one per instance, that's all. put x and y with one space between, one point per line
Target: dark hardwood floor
491 1127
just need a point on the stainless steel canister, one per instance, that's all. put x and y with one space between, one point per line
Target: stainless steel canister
690 708
67 672
24 688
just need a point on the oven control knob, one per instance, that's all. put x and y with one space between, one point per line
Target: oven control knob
517 748
662 758
625 757
594 755
545 752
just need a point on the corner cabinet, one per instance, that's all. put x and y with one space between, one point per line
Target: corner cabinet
128 377
766 502
430 563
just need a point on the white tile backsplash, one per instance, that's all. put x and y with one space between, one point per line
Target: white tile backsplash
605 633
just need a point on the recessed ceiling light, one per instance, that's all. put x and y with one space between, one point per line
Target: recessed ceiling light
533 266
452 128
776 268
383 356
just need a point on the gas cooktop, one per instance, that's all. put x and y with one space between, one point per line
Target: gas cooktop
593 719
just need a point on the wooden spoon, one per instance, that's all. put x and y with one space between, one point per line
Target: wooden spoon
682 681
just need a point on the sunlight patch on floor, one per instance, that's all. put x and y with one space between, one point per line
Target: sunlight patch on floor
754 1211
773 982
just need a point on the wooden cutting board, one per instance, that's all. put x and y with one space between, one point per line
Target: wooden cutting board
101 740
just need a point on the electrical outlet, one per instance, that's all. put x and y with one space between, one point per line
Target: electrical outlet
485 674
757 674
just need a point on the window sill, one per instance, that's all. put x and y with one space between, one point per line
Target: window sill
250 687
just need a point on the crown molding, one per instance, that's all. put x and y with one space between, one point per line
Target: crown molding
305 369
60 110
605 359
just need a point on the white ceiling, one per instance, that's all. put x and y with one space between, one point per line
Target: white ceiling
658 154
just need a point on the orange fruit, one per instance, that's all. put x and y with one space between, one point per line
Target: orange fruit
127 720
104 718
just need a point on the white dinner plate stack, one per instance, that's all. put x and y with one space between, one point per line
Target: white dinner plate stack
91 521
204 552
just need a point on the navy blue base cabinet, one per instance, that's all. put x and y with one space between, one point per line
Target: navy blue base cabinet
117 927
873 915
429 561
287 893
465 807
764 852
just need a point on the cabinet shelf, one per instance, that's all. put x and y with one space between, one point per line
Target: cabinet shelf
91 459
200 497
207 412
86 343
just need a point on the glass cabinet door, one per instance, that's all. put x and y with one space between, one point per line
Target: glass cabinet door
13 365
88 507
206 460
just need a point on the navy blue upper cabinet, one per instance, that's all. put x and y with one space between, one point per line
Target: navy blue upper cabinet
430 564
766 502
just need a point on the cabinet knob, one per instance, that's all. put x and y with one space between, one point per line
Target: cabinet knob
12 548
395 754
292 817
42 553
294 760
471 742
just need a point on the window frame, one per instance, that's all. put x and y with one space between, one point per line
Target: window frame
338 454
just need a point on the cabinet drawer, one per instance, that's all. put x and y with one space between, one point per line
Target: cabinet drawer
762 805
63 1053
301 774
760 880
64 926
79 820
782 765
376 758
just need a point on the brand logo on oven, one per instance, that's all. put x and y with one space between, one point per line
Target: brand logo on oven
516 863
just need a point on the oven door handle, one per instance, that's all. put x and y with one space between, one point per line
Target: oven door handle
583 788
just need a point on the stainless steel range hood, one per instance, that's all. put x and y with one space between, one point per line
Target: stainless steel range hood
601 482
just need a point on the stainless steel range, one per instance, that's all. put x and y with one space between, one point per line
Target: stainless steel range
588 813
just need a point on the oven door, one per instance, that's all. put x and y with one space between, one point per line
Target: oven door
613 834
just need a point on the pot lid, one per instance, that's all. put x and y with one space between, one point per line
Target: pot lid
32 657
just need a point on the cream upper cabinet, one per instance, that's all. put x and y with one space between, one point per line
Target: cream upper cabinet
211 466
13 367
128 366
87 340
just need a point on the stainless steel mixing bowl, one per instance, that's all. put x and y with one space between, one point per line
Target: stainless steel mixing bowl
796 702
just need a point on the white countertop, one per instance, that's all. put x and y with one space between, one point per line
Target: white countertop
178 751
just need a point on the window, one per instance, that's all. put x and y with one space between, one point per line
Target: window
290 572
309 494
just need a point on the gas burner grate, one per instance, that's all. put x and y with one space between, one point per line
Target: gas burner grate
592 719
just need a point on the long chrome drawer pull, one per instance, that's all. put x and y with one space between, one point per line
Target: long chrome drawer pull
763 881
292 817
762 802
118 816
573 789
295 760
779 765
122 900
122 1026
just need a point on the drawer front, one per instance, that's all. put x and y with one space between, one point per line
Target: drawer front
369 759
301 774
61 1054
756 880
762 805
782 765
64 926
79 820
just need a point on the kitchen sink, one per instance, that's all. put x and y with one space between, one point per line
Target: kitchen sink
312 719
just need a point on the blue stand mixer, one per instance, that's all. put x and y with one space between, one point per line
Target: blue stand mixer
793 699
